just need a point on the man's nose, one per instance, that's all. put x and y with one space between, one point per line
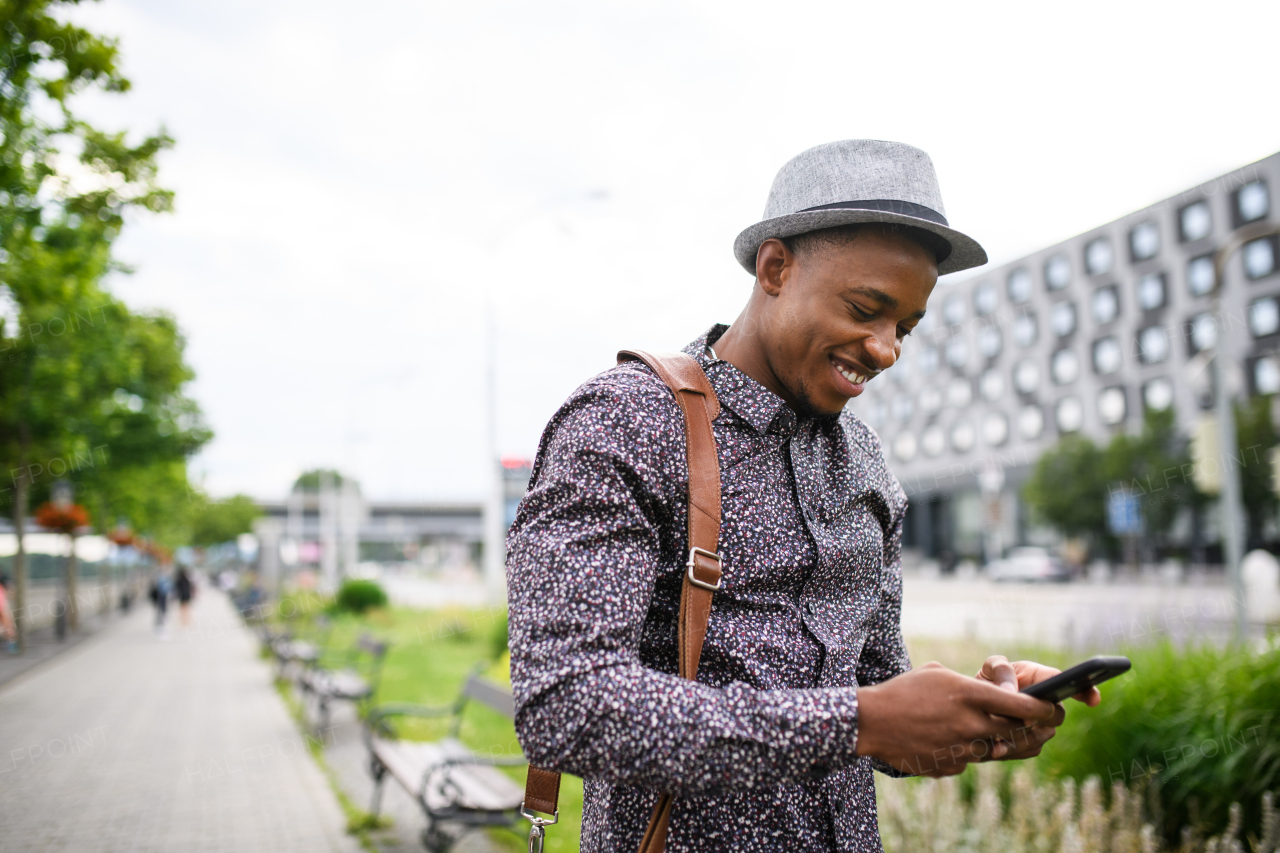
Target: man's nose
882 350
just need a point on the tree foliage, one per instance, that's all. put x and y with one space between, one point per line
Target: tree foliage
221 521
89 391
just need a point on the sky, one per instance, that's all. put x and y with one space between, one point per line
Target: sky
373 197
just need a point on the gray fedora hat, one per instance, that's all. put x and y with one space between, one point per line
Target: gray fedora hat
857 180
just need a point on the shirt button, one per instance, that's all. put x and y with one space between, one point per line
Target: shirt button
838 807
808 605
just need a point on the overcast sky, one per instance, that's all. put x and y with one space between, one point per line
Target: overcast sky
355 181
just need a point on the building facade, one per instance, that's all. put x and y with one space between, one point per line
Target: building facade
1081 336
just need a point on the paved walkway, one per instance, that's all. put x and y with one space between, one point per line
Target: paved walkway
133 743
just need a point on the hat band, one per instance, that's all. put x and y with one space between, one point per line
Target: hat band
886 205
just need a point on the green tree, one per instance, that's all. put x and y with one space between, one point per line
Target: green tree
1255 435
1068 489
1153 466
309 481
221 521
77 357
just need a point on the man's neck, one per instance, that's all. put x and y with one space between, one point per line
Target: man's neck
746 352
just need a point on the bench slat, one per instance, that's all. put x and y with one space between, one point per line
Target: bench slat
472 786
493 695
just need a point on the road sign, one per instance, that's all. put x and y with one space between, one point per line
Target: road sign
1123 516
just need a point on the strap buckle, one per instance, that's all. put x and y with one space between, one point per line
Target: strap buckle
536 832
533 818
692 565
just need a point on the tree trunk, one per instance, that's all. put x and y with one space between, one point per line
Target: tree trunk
20 558
73 608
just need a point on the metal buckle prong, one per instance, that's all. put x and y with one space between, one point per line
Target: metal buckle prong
693 555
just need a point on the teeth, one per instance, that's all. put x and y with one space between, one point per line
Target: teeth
855 378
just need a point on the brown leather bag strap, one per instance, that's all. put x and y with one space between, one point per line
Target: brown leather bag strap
698 401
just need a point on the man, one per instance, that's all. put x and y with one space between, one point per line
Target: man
804 682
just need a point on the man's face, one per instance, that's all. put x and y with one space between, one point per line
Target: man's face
840 313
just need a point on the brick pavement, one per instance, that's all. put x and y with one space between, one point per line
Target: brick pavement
132 743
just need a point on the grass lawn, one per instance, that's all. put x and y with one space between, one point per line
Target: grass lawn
431 654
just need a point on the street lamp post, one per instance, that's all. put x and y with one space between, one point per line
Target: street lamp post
1232 504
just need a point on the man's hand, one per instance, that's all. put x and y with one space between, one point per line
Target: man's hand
934 722
1016 676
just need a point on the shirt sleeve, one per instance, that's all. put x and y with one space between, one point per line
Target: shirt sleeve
885 654
583 558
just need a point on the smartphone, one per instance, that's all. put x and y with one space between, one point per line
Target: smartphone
1079 678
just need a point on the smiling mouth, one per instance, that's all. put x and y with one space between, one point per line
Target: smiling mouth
853 376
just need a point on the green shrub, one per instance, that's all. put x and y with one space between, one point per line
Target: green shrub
498 637
1201 726
357 596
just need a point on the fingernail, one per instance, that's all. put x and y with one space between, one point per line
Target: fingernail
1000 750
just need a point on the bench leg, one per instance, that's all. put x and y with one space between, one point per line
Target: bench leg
379 772
323 715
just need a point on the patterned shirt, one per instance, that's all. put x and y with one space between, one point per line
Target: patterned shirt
760 750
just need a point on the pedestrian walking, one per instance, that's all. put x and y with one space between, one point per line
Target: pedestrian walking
705 574
159 595
185 588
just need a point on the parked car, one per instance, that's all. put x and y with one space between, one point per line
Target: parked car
1028 564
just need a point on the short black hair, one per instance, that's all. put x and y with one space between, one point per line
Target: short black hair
843 235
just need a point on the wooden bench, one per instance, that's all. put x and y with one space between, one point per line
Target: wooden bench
292 653
354 680
452 784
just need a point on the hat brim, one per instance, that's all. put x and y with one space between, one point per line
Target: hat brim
965 251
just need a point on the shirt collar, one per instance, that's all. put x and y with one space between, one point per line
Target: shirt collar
747 398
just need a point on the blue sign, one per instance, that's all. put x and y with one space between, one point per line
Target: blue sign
1123 516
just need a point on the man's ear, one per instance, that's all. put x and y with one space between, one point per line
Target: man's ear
774 262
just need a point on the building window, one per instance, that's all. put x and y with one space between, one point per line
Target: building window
1266 375
991 385
902 407
953 310
1107 355
957 352
1068 414
1062 318
1253 202
1064 366
1153 344
1144 241
1151 291
930 400
1195 222
1105 304
963 436
1098 256
959 393
995 429
1019 286
904 447
1111 405
989 341
1157 394
1202 332
933 441
985 298
928 360
1057 272
1030 422
1024 329
1259 257
1264 317
1200 275
1026 376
